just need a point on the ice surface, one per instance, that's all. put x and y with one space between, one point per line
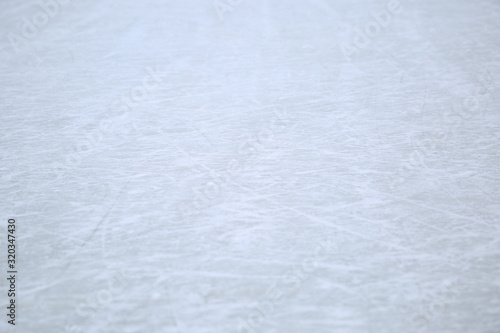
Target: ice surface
252 166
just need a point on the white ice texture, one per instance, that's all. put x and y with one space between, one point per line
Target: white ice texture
277 166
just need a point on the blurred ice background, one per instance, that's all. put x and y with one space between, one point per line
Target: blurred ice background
252 166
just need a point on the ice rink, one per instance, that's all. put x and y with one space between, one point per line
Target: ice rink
286 166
